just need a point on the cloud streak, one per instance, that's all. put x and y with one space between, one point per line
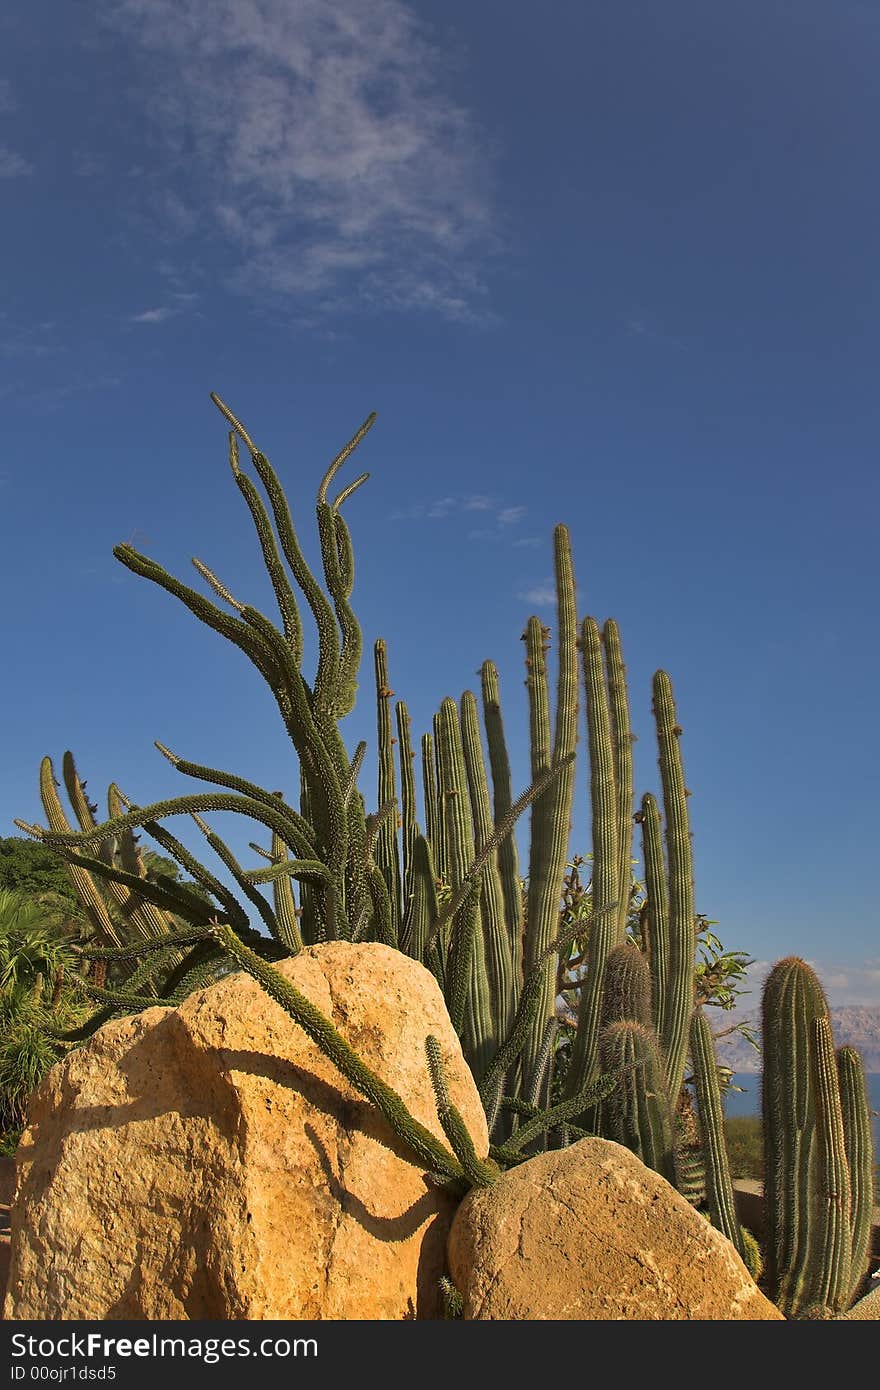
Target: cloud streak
317 141
13 165
158 315
441 508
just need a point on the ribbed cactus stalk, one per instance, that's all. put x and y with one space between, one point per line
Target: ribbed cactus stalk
468 987
605 931
387 854
792 999
831 1265
502 798
622 742
638 1113
551 812
676 1002
858 1141
817 1150
721 1203
499 962
627 992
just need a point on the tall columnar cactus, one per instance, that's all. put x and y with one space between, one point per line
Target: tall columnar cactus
677 996
721 1203
551 812
816 1237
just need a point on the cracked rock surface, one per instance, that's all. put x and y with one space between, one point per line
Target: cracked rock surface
589 1232
208 1162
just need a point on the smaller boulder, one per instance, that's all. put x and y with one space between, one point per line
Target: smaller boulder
588 1232
866 1310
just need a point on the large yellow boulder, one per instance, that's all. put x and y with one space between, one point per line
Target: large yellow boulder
209 1162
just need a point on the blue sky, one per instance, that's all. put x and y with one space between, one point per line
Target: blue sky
612 265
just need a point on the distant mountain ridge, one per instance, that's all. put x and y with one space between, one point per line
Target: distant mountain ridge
853 1025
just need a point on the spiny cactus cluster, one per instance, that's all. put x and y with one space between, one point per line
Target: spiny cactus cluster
448 892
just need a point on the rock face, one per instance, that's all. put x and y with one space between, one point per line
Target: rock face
209 1162
589 1232
867 1308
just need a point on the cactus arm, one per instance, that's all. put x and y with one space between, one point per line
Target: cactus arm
622 741
556 1115
225 855
139 910
831 1262
479 1173
439 846
606 858
214 617
722 1207
551 813
469 1001
181 903
424 911
499 765
232 908
284 901
433 820
298 833
268 814
345 453
325 619
387 853
530 997
338 559
284 595
408 821
860 1161
83 883
657 907
541 1079
500 967
680 979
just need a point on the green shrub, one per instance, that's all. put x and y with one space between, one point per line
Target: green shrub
745 1147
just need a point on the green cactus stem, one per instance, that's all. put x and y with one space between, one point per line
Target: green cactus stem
792 1000
859 1145
551 813
638 1113
721 1202
677 1002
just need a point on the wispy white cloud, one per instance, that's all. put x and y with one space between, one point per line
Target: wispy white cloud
542 595
348 174
158 315
530 541
13 165
642 325
88 165
441 508
46 399
30 340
